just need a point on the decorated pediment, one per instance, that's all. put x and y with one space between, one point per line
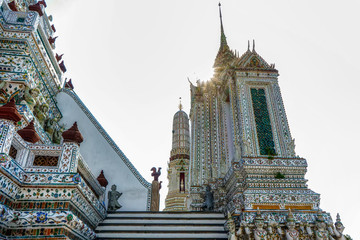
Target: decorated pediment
252 60
254 63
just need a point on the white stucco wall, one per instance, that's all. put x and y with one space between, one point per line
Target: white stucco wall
101 153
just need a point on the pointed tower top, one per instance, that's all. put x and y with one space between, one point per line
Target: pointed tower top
224 55
180 105
253 45
222 37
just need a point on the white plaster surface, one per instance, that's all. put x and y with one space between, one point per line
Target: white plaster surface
100 155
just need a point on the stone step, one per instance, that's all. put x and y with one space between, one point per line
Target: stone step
157 228
166 215
162 225
212 236
109 221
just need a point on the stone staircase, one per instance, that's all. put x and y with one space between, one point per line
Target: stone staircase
162 225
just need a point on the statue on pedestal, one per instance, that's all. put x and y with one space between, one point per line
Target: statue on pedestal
208 204
31 96
321 233
259 231
113 197
41 112
339 228
291 233
231 227
57 135
155 189
273 230
49 126
155 174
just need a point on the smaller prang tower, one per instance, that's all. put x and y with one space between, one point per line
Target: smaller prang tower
178 167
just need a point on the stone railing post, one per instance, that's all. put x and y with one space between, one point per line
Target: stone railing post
69 157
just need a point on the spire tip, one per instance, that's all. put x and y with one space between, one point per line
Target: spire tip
180 105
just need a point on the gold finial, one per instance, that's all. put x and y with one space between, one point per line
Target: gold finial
180 105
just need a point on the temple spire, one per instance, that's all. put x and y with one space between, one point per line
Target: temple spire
224 55
222 37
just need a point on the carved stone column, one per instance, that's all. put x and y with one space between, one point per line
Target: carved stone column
69 156
155 195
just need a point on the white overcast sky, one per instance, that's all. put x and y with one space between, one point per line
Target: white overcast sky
129 62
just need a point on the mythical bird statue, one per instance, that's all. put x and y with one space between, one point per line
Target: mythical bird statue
156 174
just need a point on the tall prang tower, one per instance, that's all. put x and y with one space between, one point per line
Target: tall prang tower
178 167
241 145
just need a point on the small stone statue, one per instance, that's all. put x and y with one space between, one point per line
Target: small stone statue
273 230
50 125
208 204
155 190
57 136
291 233
259 231
308 229
305 230
156 174
321 233
231 226
31 96
247 148
339 228
41 113
113 197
